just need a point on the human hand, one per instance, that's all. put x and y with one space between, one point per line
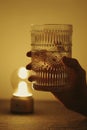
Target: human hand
51 64
73 96
76 73
70 96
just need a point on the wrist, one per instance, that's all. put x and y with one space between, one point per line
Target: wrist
79 104
74 100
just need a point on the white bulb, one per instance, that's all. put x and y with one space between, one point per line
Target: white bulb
20 83
22 90
23 73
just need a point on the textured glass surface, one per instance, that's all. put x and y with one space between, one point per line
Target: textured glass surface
49 44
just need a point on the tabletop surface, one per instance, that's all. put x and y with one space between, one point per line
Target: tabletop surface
48 115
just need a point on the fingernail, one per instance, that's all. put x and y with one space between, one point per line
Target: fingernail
30 79
28 54
28 67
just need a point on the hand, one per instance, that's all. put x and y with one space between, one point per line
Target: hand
74 97
70 96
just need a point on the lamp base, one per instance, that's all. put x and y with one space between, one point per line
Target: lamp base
22 104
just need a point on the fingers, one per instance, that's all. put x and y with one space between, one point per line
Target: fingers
29 66
32 78
29 54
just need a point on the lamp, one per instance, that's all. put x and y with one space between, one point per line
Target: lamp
22 100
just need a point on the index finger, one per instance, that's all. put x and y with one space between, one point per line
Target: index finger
28 54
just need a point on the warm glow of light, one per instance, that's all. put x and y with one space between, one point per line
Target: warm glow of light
22 90
23 73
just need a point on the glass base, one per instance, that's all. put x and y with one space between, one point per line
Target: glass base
50 88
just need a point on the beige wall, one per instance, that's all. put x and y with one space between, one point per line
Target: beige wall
15 19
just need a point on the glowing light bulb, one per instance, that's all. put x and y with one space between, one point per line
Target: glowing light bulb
20 77
23 73
22 100
22 90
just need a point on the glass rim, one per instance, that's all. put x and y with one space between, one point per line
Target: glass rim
51 26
